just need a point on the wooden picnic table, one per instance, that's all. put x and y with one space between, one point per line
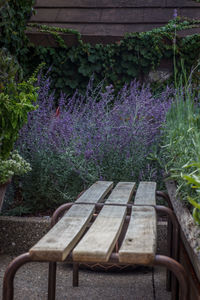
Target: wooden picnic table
104 225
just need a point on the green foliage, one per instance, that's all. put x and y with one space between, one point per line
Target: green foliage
118 63
98 137
180 151
16 100
193 179
14 16
50 183
15 165
2 4
10 70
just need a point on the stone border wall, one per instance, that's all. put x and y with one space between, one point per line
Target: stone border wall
19 234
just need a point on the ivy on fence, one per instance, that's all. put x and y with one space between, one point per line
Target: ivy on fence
117 63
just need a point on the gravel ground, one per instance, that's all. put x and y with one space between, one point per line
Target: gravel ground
141 283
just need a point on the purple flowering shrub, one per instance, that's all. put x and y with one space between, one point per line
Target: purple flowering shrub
97 136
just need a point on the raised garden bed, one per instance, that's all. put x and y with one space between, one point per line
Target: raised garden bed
189 247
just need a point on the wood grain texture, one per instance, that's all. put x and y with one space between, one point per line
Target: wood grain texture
100 3
190 231
182 3
59 241
92 33
104 29
96 192
99 241
107 21
116 3
47 40
122 193
105 15
146 193
192 13
139 245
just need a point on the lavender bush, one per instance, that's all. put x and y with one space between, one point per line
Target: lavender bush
97 136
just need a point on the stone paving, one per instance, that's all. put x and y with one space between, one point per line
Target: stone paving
141 283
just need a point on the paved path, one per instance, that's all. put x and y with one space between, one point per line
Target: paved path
142 283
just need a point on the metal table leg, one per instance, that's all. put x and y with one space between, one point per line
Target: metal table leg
178 271
8 281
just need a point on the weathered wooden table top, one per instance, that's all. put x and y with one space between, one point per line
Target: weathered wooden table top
71 233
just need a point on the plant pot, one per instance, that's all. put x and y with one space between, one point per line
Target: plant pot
189 246
3 187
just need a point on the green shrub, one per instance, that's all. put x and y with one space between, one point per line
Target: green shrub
16 100
118 63
98 136
180 152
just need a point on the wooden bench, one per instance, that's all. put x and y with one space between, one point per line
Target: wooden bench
90 230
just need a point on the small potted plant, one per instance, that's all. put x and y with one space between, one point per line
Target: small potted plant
16 100
15 165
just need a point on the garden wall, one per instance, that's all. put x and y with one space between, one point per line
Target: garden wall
106 21
19 234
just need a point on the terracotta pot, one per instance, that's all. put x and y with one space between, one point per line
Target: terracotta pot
3 187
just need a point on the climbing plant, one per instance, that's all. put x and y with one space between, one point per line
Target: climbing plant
14 15
117 63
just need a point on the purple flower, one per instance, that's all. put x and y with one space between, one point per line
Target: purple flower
175 13
88 154
98 134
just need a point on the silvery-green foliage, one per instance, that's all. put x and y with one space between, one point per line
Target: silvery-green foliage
96 136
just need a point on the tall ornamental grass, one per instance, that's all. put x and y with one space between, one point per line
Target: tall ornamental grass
97 136
181 145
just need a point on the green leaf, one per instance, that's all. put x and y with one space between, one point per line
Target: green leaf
193 202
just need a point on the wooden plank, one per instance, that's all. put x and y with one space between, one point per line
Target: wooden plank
99 241
110 33
92 33
122 193
194 283
100 3
47 40
139 245
59 241
96 192
192 13
186 32
101 15
182 3
190 230
146 193
116 3
105 29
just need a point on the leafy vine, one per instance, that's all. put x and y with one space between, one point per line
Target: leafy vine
117 63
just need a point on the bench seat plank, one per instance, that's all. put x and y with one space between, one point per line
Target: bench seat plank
146 193
139 245
99 241
59 241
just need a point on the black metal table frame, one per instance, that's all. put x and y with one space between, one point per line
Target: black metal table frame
170 262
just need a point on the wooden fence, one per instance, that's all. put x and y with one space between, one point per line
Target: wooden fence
105 21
